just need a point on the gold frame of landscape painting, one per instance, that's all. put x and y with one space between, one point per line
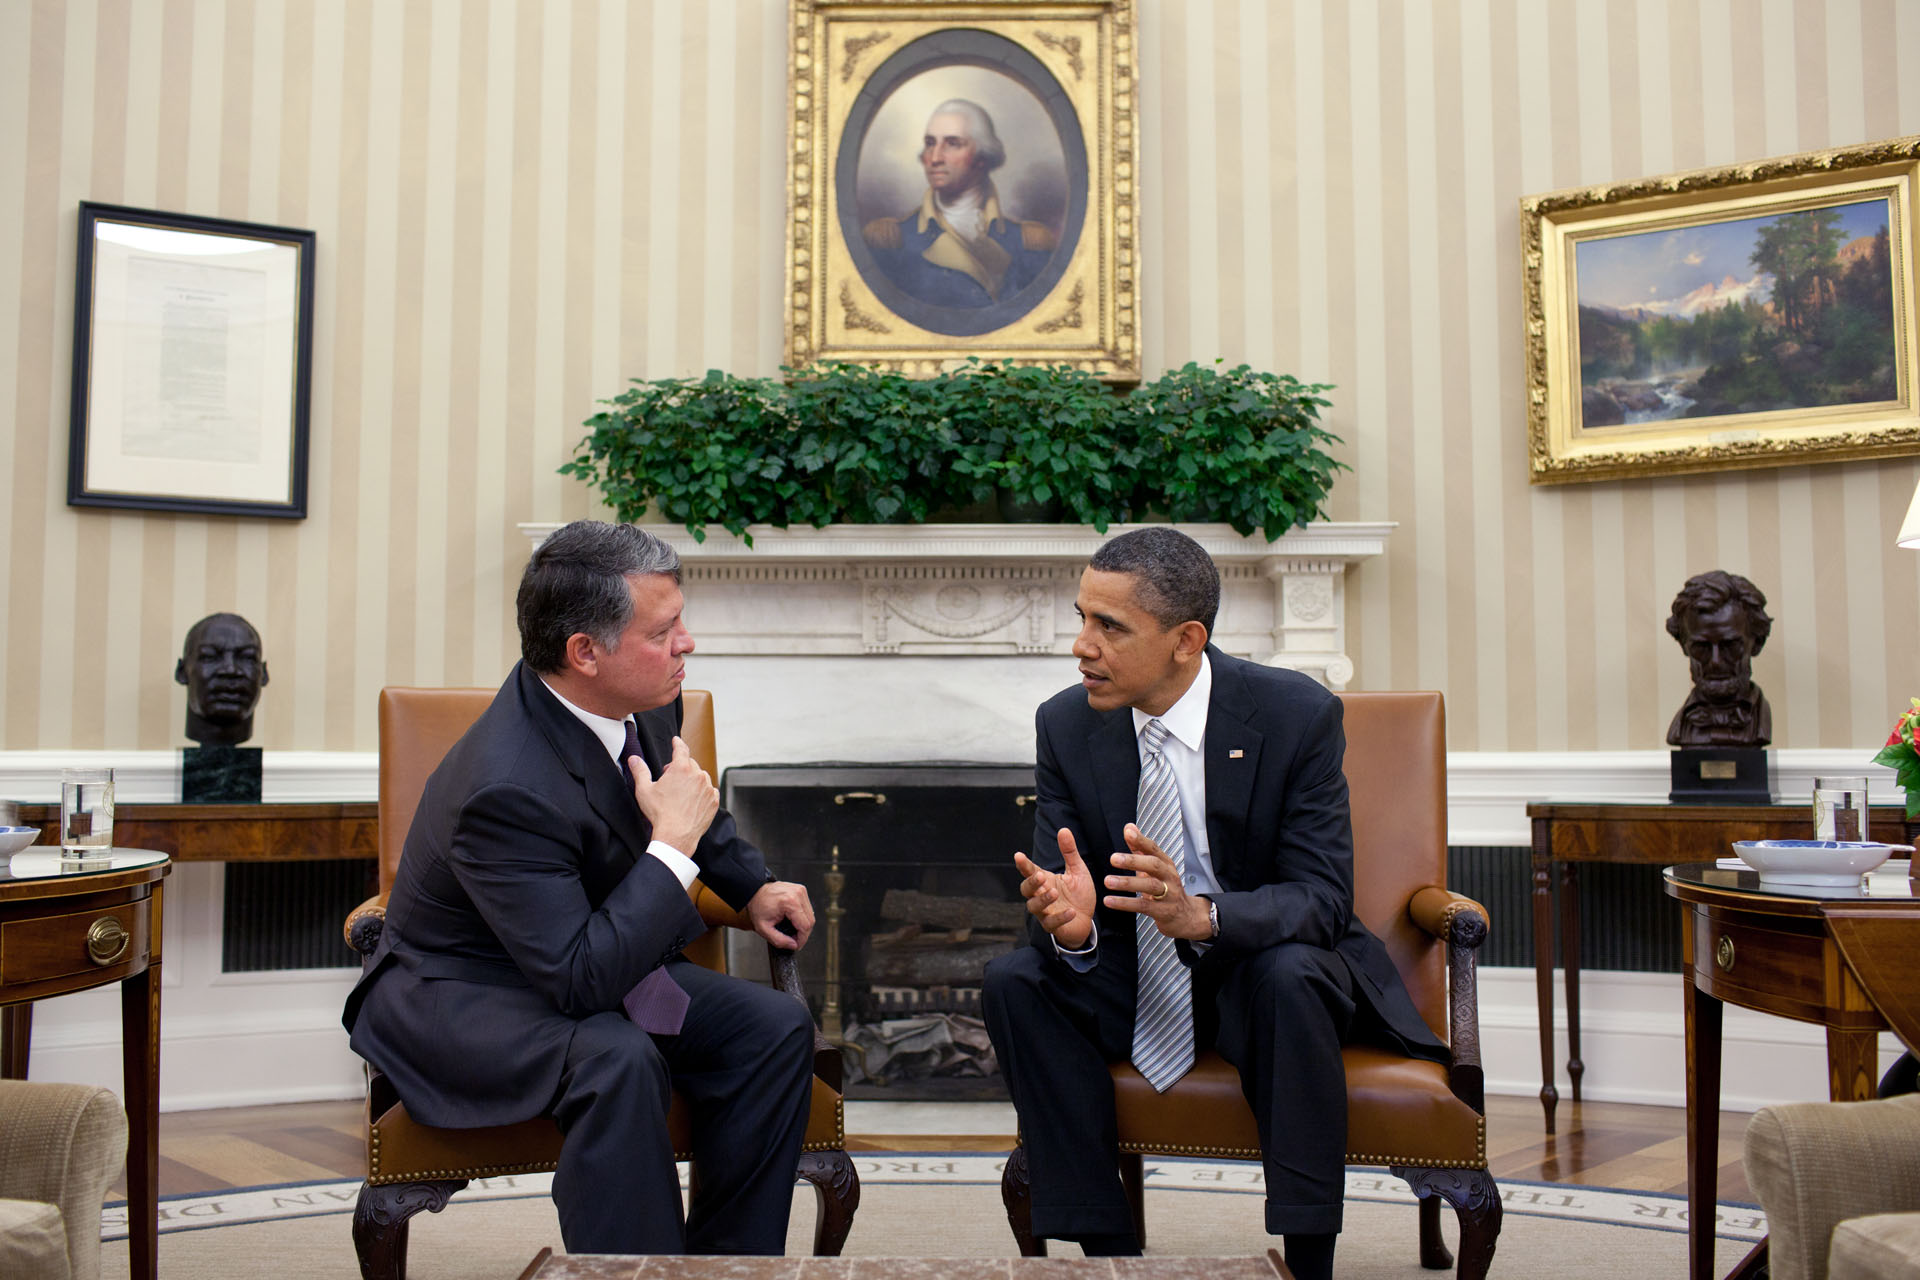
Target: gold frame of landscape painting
1030 253
1750 316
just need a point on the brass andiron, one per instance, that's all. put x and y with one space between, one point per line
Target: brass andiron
830 1015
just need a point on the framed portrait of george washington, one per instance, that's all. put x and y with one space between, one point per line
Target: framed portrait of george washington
961 182
1748 316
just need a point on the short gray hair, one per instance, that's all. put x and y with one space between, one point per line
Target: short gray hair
1174 577
986 142
576 582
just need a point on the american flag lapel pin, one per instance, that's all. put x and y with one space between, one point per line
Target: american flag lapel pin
1235 754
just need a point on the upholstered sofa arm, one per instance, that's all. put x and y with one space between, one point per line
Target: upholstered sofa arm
1813 1164
364 923
62 1144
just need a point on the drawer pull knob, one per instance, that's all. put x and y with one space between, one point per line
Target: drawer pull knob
1723 954
1021 802
107 940
876 797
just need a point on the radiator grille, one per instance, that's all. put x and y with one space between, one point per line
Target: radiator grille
287 915
1627 922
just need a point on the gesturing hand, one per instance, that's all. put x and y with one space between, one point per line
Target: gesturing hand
1151 875
1061 900
680 803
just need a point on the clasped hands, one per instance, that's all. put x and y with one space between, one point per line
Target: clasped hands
680 805
1146 883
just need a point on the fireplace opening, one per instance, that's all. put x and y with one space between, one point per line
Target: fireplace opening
910 869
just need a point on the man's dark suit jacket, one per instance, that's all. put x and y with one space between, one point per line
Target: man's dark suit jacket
1278 828
525 901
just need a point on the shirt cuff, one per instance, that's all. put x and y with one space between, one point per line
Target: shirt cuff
677 862
1081 961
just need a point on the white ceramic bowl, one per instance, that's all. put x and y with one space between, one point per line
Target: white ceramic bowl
1819 862
14 839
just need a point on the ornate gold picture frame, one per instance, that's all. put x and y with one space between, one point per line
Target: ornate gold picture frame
961 182
1750 316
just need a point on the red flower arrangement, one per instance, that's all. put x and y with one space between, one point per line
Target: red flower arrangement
1903 757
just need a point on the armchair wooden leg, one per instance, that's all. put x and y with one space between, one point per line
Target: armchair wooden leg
1476 1203
1433 1249
836 1190
380 1220
1016 1193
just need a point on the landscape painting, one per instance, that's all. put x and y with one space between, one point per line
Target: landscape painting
1749 315
1754 315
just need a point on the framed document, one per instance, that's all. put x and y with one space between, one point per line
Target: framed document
1756 315
192 364
962 183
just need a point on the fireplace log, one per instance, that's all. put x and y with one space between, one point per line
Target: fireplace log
945 911
926 959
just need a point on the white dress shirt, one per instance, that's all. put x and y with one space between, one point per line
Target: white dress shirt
613 736
1184 749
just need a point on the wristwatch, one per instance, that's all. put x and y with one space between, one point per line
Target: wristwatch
1213 918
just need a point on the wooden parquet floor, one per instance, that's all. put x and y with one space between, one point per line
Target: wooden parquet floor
1603 1144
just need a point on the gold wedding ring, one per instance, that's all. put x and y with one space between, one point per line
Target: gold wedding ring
1163 891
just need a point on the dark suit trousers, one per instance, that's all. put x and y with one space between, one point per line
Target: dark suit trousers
744 1063
1279 1015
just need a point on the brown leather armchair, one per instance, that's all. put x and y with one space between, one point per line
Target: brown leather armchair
1423 1120
412 1166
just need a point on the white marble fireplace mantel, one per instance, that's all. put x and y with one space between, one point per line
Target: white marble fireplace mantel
995 590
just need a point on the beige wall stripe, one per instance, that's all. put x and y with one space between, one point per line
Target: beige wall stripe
1368 601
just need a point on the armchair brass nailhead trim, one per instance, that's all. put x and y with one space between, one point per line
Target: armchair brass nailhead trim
840 1126
1417 1162
1183 1149
377 1179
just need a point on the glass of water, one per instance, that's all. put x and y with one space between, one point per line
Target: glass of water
1840 809
86 813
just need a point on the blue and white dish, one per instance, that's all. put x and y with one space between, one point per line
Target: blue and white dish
14 839
1833 863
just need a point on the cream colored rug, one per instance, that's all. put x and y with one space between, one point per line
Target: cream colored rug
925 1205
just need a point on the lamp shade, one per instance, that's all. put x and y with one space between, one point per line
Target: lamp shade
1909 536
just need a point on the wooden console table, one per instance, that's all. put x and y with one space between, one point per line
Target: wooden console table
236 832
1658 835
63 931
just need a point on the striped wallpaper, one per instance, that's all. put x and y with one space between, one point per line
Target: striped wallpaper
521 204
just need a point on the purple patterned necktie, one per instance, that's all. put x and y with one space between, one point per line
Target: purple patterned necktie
659 1004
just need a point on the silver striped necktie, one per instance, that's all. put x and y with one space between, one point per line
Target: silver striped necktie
1163 1026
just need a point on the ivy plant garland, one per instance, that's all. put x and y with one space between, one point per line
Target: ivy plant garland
845 443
